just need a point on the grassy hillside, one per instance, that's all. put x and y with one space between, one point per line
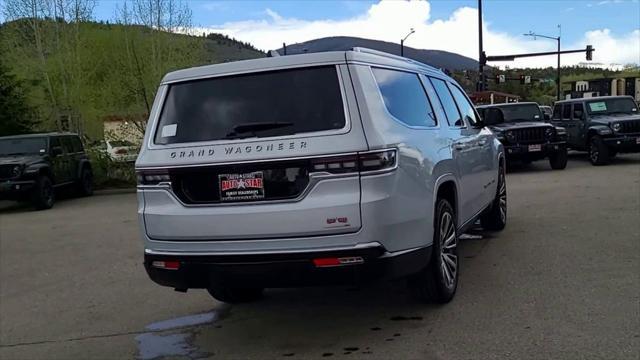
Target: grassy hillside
81 73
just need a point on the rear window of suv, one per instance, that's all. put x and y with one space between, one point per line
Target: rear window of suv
265 104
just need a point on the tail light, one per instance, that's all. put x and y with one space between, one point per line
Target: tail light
152 177
363 162
378 160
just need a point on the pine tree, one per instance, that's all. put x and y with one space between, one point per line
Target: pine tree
16 116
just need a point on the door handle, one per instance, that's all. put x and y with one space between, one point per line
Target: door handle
459 147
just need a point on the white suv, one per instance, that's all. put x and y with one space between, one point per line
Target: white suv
312 169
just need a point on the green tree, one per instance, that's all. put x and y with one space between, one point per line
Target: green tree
16 116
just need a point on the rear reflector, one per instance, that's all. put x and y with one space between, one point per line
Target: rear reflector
330 262
167 265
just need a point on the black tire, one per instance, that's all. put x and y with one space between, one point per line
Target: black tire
234 295
43 196
598 151
85 182
438 281
495 218
558 159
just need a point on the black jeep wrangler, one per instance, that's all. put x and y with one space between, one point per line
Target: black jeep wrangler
603 126
524 134
33 166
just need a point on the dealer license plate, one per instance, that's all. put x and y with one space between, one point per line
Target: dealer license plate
534 148
241 187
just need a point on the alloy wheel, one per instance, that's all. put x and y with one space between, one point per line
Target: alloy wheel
594 153
502 197
448 249
47 194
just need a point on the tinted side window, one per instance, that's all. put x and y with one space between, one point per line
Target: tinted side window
578 111
557 111
53 142
566 111
66 144
404 97
448 104
464 105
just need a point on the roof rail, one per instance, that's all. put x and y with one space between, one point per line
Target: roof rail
391 56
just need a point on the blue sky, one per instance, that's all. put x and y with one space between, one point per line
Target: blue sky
576 16
612 26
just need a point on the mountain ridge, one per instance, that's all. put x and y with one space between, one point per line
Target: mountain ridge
436 58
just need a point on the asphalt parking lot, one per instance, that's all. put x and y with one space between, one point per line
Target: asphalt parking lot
562 281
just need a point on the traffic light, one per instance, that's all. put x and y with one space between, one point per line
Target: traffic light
589 52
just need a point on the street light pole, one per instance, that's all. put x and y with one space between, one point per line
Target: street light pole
531 33
481 60
402 42
558 74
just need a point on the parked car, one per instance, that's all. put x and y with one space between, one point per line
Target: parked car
524 134
122 150
33 166
603 126
312 169
547 111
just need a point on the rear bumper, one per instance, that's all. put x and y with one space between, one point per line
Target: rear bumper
285 270
525 151
626 143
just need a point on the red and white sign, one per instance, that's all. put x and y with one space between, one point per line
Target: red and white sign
241 187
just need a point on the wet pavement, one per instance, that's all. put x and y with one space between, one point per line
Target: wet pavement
560 282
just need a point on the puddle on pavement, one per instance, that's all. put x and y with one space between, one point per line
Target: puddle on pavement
154 344
184 321
151 346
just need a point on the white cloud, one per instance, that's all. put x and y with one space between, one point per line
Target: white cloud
213 5
391 20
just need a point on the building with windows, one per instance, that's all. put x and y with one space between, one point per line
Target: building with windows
604 87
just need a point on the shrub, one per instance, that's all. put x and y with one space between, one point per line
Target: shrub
110 173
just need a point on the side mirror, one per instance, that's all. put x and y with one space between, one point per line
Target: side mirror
578 114
56 150
479 124
547 117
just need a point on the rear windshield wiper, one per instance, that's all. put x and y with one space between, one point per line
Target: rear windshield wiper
253 127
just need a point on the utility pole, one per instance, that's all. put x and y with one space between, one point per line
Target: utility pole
402 42
481 57
535 36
